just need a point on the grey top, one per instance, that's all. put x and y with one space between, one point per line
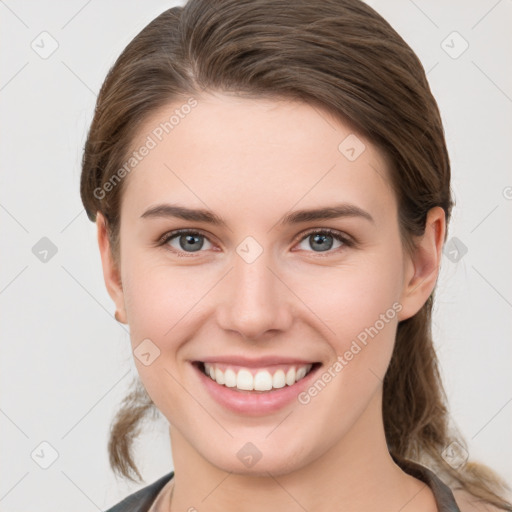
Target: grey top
142 500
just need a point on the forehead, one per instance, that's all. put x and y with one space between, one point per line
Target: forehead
253 155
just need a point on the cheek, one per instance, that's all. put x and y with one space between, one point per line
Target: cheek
164 306
352 298
367 310
159 297
358 308
160 306
362 314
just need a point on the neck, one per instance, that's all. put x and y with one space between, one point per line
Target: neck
356 474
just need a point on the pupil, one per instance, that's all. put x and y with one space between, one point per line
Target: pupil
193 240
320 239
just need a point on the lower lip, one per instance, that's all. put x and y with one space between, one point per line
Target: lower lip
251 402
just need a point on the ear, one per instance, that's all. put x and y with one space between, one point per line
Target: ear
422 268
111 273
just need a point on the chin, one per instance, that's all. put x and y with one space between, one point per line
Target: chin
246 459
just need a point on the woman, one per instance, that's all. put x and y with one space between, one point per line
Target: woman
271 187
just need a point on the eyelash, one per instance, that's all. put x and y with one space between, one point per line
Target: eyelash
346 241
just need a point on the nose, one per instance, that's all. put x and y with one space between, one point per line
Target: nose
255 301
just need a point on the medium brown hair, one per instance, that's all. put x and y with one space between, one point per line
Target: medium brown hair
339 55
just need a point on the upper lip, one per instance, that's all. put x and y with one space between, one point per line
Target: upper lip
255 363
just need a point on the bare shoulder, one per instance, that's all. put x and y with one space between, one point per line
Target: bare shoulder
469 503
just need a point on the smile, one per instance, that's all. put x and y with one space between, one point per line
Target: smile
255 387
254 379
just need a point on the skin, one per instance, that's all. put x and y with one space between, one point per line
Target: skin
251 161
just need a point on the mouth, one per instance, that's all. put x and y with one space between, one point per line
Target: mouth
256 380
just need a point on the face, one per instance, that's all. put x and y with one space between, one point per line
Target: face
267 291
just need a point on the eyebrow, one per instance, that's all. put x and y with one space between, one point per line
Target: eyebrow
296 217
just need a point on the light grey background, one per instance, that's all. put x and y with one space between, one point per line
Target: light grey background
65 361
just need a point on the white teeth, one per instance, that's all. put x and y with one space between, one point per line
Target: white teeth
279 380
219 376
290 376
230 378
263 380
300 373
244 380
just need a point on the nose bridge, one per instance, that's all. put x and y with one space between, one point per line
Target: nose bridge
253 298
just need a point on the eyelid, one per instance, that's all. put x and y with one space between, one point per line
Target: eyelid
171 234
339 235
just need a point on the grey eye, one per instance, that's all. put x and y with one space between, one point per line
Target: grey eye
188 242
321 241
